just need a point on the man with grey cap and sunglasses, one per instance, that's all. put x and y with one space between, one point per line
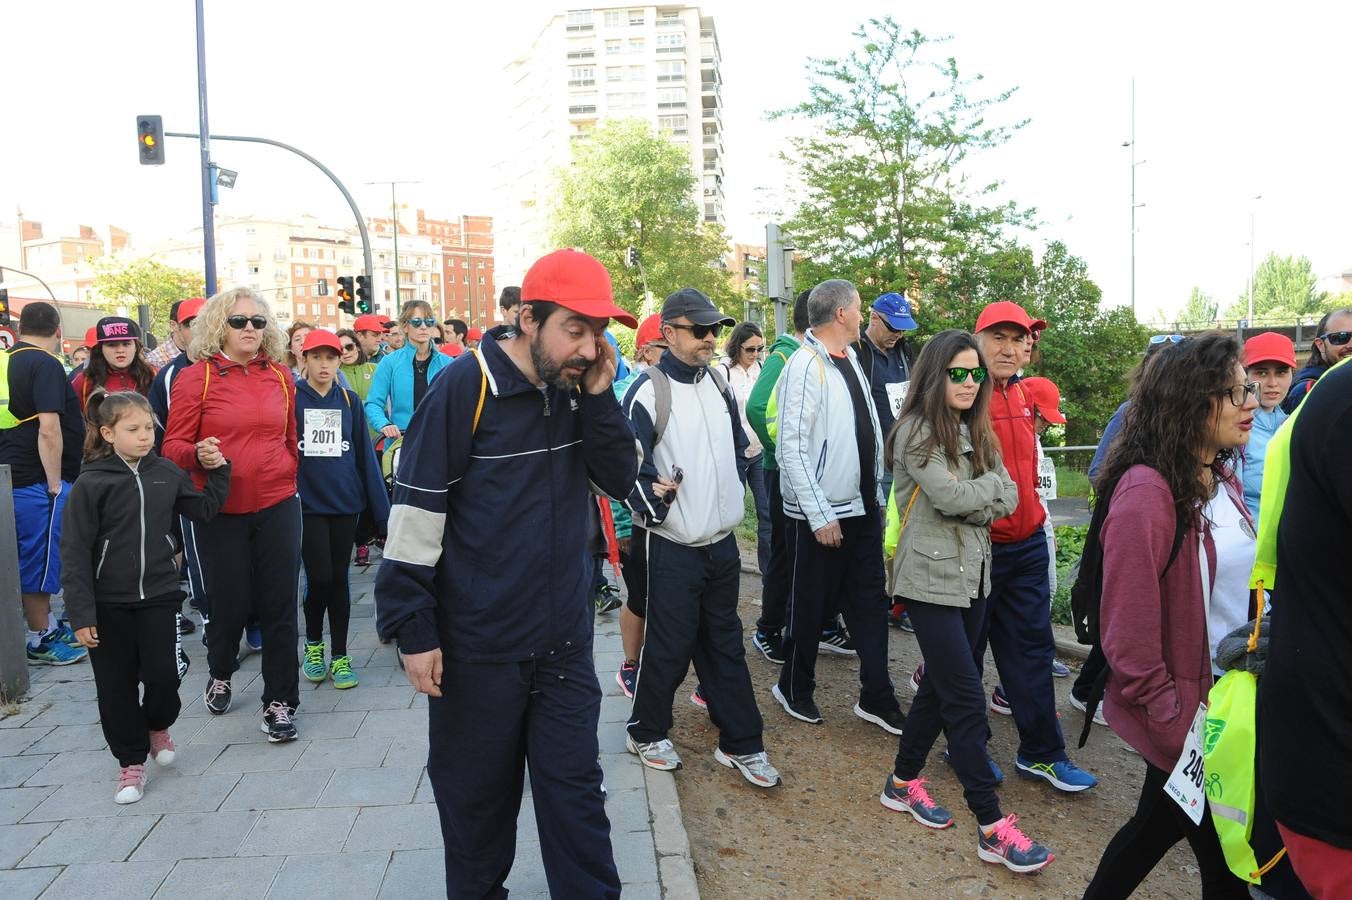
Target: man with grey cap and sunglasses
688 497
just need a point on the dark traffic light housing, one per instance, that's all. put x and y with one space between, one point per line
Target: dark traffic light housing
150 138
345 295
631 257
363 294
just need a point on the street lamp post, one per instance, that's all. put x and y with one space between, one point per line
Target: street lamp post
1251 257
208 176
394 209
1134 205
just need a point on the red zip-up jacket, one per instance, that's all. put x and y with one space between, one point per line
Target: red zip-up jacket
251 409
1012 418
118 380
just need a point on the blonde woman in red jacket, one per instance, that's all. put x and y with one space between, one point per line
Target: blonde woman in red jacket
238 401
1191 411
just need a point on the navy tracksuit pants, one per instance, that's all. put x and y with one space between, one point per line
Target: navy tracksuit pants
492 723
849 578
1019 628
692 617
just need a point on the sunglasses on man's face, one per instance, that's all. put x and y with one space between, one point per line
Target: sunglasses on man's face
959 374
422 323
700 332
1336 338
238 322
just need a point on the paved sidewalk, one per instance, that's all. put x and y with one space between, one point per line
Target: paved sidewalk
344 812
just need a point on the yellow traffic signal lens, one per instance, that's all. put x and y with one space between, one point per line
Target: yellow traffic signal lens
148 140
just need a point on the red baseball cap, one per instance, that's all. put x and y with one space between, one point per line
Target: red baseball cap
1269 347
1046 398
190 308
1007 311
648 331
575 281
474 334
319 337
371 322
452 349
91 337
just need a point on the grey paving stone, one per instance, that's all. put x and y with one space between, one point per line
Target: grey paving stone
611 737
392 722
278 790
283 832
91 841
343 876
396 828
15 803
196 793
191 758
356 753
628 810
29 710
70 690
66 737
415 875
77 801
17 841
634 856
213 834
322 726
68 712
109 881
387 786
15 770
615 709
220 879
528 874
228 730
642 890
75 766
14 741
258 757
25 884
383 655
622 771
419 702
392 697
424 793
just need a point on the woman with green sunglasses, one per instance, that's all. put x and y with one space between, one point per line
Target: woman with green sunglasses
403 376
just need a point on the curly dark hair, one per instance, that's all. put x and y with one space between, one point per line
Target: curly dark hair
927 398
1172 411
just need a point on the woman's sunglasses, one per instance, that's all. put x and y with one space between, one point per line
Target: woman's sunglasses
757 349
959 374
700 332
1336 338
422 323
348 348
238 322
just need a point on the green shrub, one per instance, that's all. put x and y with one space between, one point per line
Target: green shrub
1069 548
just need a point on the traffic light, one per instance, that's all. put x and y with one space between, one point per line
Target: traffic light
363 294
150 137
631 257
4 306
345 295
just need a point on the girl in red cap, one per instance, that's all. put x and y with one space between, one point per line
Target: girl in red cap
115 361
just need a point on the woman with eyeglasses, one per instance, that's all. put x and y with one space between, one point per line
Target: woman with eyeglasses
741 367
949 485
1333 342
238 402
403 376
1178 546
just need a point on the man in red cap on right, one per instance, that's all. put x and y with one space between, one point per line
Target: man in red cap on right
486 581
1020 627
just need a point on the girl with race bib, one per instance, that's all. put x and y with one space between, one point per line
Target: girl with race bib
339 480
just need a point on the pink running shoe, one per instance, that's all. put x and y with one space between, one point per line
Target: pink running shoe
161 747
131 784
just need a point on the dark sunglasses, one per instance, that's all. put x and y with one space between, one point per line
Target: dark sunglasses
422 323
700 332
958 374
747 348
1161 338
1336 338
888 325
677 475
1239 393
347 347
238 322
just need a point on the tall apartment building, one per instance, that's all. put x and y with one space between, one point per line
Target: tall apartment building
659 63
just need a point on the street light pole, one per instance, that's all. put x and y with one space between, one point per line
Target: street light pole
1252 273
394 210
208 187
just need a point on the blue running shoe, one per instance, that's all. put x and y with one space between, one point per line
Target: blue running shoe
253 636
64 633
911 796
55 652
1011 848
1060 669
1063 775
995 769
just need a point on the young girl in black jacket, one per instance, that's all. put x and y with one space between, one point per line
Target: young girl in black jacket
120 578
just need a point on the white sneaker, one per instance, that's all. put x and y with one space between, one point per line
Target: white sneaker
131 784
660 755
1099 718
755 767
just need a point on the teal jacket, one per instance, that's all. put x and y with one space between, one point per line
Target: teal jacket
390 399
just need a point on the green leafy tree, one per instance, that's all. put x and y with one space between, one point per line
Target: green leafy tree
885 203
1202 309
117 283
1284 287
1086 350
628 186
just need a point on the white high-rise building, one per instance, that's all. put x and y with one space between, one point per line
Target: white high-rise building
658 63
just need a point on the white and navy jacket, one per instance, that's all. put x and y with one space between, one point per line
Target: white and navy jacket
817 448
704 437
487 555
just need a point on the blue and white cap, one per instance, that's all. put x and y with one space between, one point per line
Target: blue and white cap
896 310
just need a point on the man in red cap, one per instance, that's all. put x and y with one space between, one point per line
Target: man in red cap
1020 627
370 330
1270 360
167 350
487 576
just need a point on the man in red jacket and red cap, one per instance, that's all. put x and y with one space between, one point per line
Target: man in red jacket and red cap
1020 628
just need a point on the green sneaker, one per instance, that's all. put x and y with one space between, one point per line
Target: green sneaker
313 667
341 670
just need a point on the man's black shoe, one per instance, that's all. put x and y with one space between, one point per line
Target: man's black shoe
803 710
277 722
770 644
890 721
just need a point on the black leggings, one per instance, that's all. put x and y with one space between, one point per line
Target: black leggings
326 544
1158 824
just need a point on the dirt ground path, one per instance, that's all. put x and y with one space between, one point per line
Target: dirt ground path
822 833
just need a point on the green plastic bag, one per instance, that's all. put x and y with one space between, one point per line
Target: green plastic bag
1229 742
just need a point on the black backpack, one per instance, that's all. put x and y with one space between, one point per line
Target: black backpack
1086 595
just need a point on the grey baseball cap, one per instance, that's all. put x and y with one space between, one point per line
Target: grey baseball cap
696 307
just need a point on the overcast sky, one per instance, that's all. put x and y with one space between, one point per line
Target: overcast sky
1232 101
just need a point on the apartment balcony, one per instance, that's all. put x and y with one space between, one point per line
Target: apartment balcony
672 104
665 50
670 22
710 88
582 82
585 109
680 77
